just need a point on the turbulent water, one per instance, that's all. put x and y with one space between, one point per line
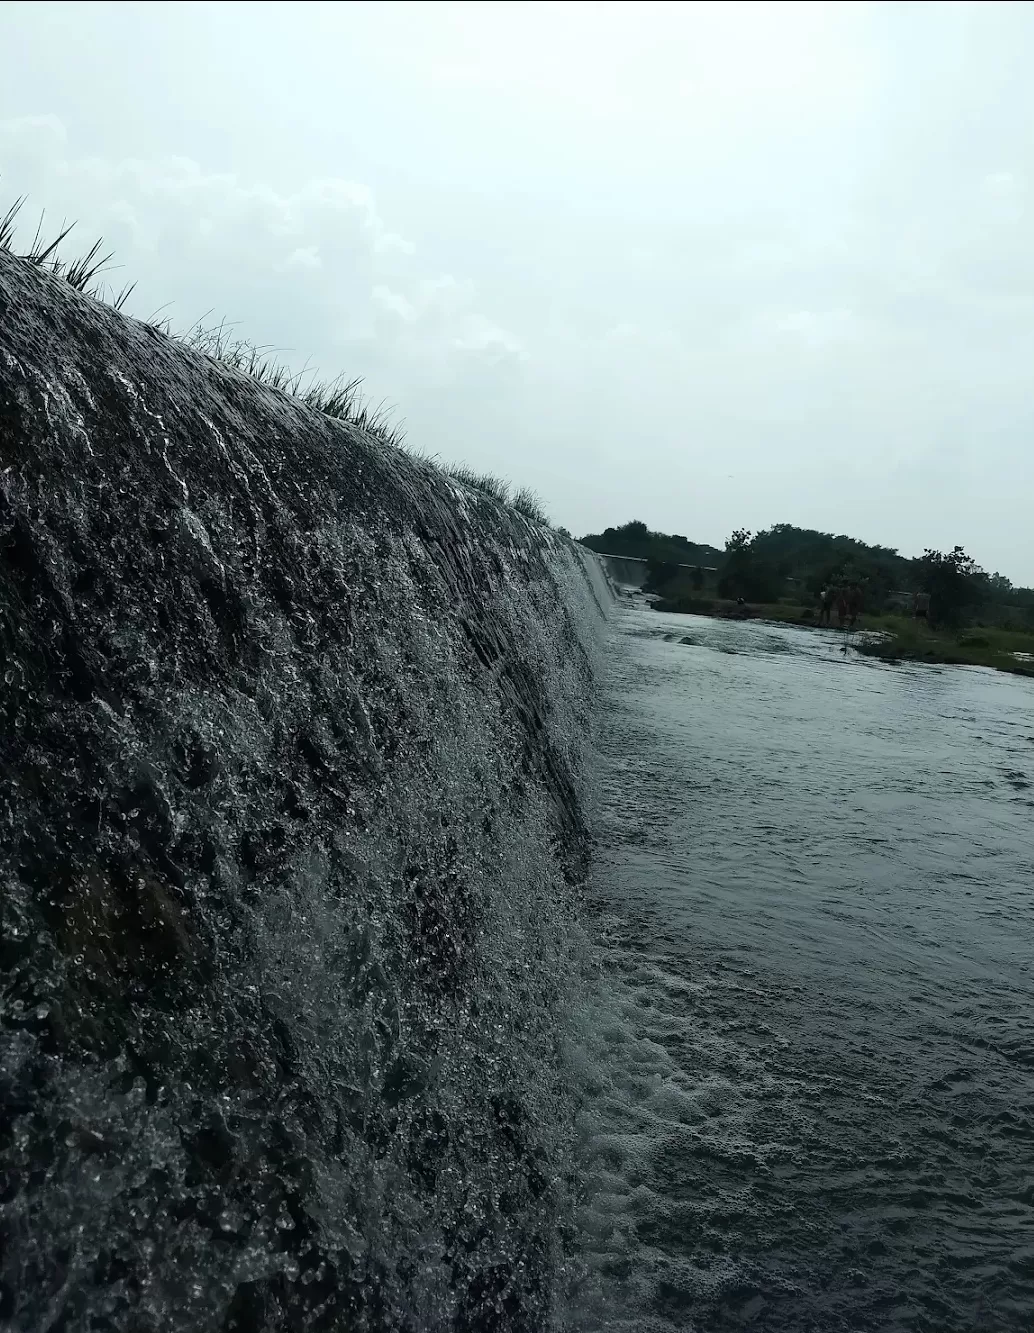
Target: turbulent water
312 1016
293 744
810 1065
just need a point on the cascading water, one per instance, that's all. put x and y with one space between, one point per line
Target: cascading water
294 743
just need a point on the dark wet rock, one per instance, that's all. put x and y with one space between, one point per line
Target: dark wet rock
293 731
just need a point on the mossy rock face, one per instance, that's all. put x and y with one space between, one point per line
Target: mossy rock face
293 736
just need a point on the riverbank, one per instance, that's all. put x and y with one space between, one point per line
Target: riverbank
889 637
901 639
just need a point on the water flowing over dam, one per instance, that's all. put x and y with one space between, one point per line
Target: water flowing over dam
403 926
295 736
625 572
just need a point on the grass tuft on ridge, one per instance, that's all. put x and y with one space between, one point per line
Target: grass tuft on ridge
340 398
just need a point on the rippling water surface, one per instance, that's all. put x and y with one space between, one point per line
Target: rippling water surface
811 1103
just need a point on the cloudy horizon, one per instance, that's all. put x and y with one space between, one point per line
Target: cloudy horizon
709 267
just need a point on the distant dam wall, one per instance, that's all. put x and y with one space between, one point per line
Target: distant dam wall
295 738
625 571
629 571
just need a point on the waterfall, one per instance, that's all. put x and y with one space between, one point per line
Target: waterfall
295 743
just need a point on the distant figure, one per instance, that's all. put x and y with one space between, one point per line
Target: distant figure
825 605
921 606
842 607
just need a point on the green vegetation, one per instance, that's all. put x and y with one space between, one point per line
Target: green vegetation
792 565
527 502
485 482
815 560
340 397
973 617
81 273
524 500
893 638
903 639
745 572
636 540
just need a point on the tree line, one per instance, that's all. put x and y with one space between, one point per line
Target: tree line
795 564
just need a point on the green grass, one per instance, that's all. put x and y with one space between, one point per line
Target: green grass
524 500
485 482
527 502
912 641
340 397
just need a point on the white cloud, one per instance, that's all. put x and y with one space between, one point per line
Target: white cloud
592 249
1002 183
305 257
210 241
389 242
394 303
814 326
22 136
480 335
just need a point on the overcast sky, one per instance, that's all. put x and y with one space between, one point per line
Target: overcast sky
708 267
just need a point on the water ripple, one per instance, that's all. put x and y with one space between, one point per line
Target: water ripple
812 1097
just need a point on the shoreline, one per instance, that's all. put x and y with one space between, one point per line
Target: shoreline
890 638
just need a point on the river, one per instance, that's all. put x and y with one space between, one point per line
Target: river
809 1061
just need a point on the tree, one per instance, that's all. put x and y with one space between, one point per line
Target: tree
636 540
738 542
954 581
756 565
658 574
745 573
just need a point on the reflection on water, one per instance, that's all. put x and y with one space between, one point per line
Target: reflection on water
811 1103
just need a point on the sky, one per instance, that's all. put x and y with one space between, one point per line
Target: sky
707 266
